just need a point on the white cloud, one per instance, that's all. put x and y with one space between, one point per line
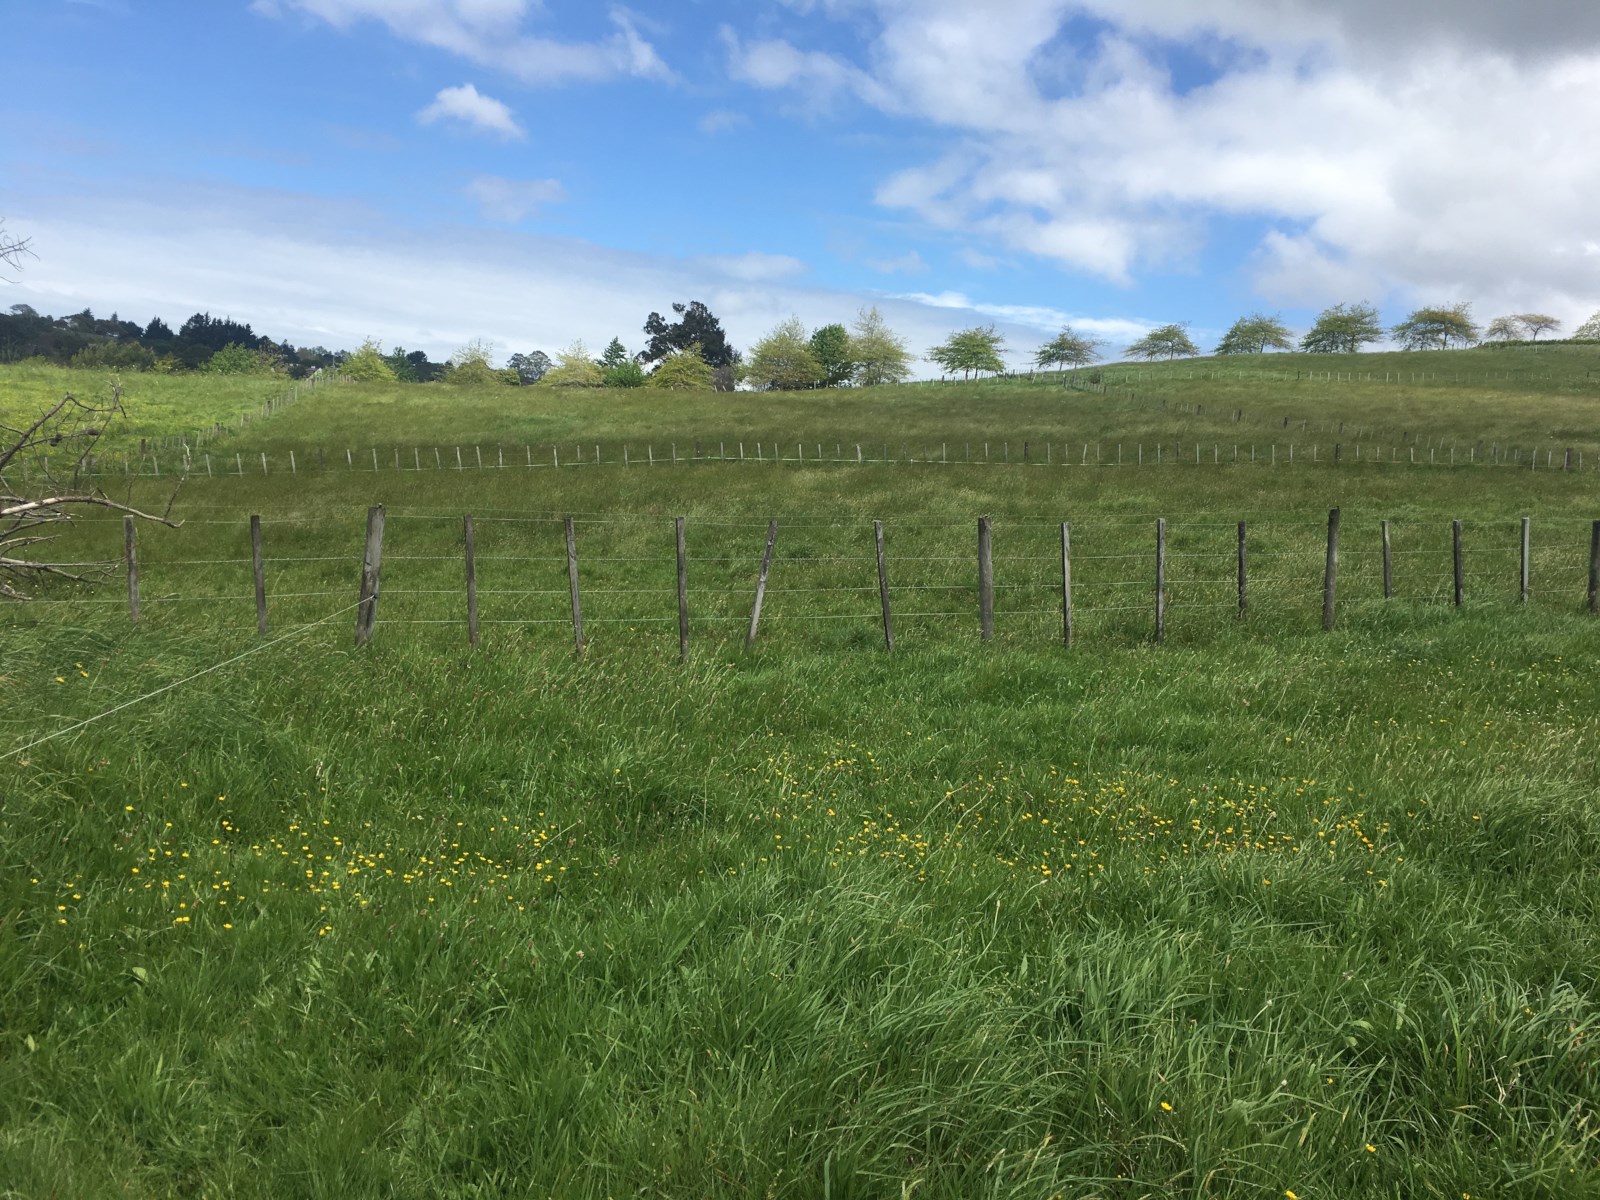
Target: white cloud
756 267
356 274
909 263
723 120
1447 170
471 107
490 33
512 200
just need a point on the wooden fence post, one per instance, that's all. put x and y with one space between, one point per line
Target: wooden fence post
371 563
470 541
258 570
985 580
1244 577
572 583
1330 573
1161 579
883 586
1066 585
683 594
1388 565
1455 560
1523 574
1594 568
130 558
761 585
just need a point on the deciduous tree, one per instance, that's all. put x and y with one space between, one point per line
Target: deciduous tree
1167 342
1255 334
971 351
1589 330
1343 329
1068 349
879 356
783 360
368 364
574 369
686 370
1436 327
830 346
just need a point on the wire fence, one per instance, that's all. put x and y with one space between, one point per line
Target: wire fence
192 461
611 575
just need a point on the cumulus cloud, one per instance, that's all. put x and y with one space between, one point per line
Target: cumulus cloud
491 34
723 120
512 200
1448 170
472 108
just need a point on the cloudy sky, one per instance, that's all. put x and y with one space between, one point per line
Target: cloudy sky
535 171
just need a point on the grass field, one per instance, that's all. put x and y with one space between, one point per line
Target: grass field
1258 912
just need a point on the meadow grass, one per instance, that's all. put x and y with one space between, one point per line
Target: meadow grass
1260 911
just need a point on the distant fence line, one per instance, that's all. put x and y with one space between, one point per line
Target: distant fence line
1025 452
1157 558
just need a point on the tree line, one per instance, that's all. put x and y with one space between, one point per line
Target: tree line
690 349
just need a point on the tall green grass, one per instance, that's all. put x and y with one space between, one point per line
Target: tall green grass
1259 911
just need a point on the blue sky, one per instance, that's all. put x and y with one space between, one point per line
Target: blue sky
432 171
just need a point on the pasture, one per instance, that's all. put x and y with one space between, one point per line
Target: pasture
1259 911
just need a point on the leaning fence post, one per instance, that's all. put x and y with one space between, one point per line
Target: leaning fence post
985 580
683 595
130 557
1066 585
1161 579
1525 567
1330 573
258 570
371 562
761 584
572 583
883 586
471 543
1244 577
1455 559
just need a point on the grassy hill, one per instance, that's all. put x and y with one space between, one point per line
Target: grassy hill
1260 910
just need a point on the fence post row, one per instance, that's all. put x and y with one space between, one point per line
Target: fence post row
371 562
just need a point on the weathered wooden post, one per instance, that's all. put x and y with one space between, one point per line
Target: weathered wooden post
883 586
572 584
985 580
258 570
130 558
371 564
1161 579
761 585
683 594
470 542
1330 573
1066 585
